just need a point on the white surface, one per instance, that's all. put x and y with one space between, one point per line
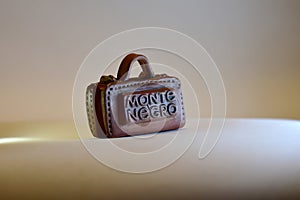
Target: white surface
253 158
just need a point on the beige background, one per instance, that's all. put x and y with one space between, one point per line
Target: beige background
255 44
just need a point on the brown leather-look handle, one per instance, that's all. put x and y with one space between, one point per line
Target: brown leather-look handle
127 62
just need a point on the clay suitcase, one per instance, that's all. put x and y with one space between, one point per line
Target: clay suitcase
126 106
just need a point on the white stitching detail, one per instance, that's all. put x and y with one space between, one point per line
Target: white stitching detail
114 87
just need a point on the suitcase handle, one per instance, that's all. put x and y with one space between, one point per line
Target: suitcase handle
127 62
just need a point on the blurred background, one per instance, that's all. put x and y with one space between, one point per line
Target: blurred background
255 44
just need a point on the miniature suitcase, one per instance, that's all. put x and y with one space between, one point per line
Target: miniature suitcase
126 106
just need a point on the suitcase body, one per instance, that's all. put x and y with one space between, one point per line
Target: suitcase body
125 106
